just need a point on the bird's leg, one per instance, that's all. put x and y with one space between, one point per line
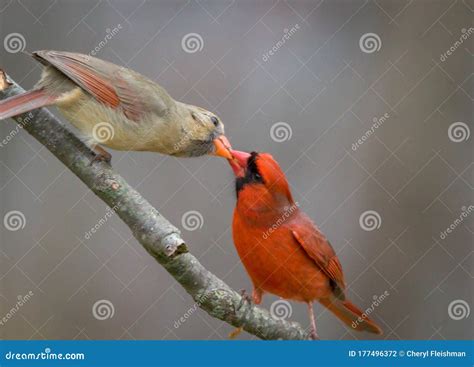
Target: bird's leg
245 296
245 299
256 298
313 333
257 295
101 155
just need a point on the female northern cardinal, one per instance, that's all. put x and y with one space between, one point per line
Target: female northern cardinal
281 248
119 108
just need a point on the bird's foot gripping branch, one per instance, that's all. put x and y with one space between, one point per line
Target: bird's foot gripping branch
154 232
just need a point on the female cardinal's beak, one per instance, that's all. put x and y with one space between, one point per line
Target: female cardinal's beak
222 147
239 162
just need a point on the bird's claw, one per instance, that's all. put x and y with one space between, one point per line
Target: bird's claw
245 296
101 158
235 333
313 335
100 155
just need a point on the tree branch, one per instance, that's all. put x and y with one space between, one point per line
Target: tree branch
158 236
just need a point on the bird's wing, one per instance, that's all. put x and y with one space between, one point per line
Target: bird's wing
115 86
319 249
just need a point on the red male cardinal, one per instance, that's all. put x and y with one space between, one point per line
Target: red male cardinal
119 108
281 248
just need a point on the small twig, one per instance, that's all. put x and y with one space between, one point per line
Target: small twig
158 236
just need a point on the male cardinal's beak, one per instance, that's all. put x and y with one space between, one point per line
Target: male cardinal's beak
239 162
222 147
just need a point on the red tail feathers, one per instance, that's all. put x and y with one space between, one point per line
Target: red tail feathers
350 315
25 102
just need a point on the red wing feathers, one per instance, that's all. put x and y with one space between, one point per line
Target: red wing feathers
319 249
94 79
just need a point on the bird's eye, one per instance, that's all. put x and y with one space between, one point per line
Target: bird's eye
257 176
193 115
215 120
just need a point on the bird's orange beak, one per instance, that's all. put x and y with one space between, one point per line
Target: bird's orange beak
239 162
222 147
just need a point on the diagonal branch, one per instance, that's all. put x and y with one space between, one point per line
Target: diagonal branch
158 236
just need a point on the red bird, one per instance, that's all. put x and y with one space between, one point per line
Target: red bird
282 250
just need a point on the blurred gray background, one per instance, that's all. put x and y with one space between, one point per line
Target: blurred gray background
384 204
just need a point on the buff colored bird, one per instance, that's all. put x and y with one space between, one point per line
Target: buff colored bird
294 260
119 108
